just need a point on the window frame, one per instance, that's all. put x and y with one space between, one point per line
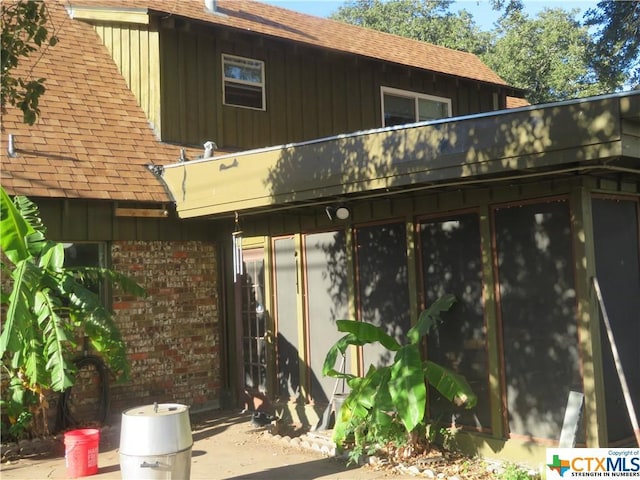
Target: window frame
416 96
225 58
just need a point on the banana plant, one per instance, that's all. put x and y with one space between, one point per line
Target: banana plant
397 391
49 307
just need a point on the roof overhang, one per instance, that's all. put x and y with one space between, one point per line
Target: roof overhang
589 135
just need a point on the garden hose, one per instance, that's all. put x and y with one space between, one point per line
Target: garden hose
65 416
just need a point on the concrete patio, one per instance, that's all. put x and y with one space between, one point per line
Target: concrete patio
226 446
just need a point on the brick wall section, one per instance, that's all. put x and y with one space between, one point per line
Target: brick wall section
173 336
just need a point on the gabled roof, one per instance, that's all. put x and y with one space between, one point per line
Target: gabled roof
91 140
253 16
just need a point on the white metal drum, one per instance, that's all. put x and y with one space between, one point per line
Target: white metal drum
156 442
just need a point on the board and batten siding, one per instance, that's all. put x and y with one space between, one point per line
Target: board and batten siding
135 49
310 93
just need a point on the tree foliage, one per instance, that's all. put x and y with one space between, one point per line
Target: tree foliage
552 56
26 29
429 21
548 56
616 51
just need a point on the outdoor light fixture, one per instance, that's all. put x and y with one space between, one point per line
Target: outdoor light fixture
341 212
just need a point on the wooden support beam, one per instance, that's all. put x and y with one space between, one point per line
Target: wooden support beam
142 212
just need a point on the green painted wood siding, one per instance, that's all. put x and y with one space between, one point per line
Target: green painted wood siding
310 93
86 220
135 50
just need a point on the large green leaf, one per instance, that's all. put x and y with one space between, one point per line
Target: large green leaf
86 308
452 386
97 274
338 348
52 256
56 340
18 314
358 333
366 332
407 387
15 230
429 318
31 213
352 412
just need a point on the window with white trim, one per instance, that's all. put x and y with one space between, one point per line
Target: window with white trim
402 106
243 82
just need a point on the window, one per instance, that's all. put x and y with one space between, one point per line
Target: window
401 106
243 80
87 255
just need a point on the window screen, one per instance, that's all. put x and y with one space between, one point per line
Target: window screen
538 311
615 225
452 263
383 288
327 301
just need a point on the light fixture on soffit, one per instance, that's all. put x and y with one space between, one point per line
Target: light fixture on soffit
339 212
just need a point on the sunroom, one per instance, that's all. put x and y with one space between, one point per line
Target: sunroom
519 214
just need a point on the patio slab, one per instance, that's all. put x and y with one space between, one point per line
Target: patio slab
226 446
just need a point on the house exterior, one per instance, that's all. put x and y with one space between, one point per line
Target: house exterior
356 175
517 213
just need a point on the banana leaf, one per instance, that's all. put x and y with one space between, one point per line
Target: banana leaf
15 230
452 386
366 332
429 318
407 387
358 333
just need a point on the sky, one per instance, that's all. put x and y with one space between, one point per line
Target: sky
480 10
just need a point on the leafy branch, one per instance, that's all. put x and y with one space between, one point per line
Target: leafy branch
25 29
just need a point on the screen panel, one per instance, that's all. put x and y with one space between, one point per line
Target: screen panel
615 226
327 301
538 313
286 279
383 287
451 262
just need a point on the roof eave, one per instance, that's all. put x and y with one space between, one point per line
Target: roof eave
505 144
108 14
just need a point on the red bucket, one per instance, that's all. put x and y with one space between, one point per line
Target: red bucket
81 452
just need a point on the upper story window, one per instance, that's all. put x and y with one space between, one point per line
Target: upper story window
243 82
401 106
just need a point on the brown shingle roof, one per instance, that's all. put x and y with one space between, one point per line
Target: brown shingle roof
515 102
321 32
91 140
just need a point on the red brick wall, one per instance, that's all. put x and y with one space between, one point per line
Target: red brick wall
173 336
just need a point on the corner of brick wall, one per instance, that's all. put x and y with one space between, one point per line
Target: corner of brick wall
173 336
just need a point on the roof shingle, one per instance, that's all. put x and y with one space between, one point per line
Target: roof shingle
93 141
253 16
